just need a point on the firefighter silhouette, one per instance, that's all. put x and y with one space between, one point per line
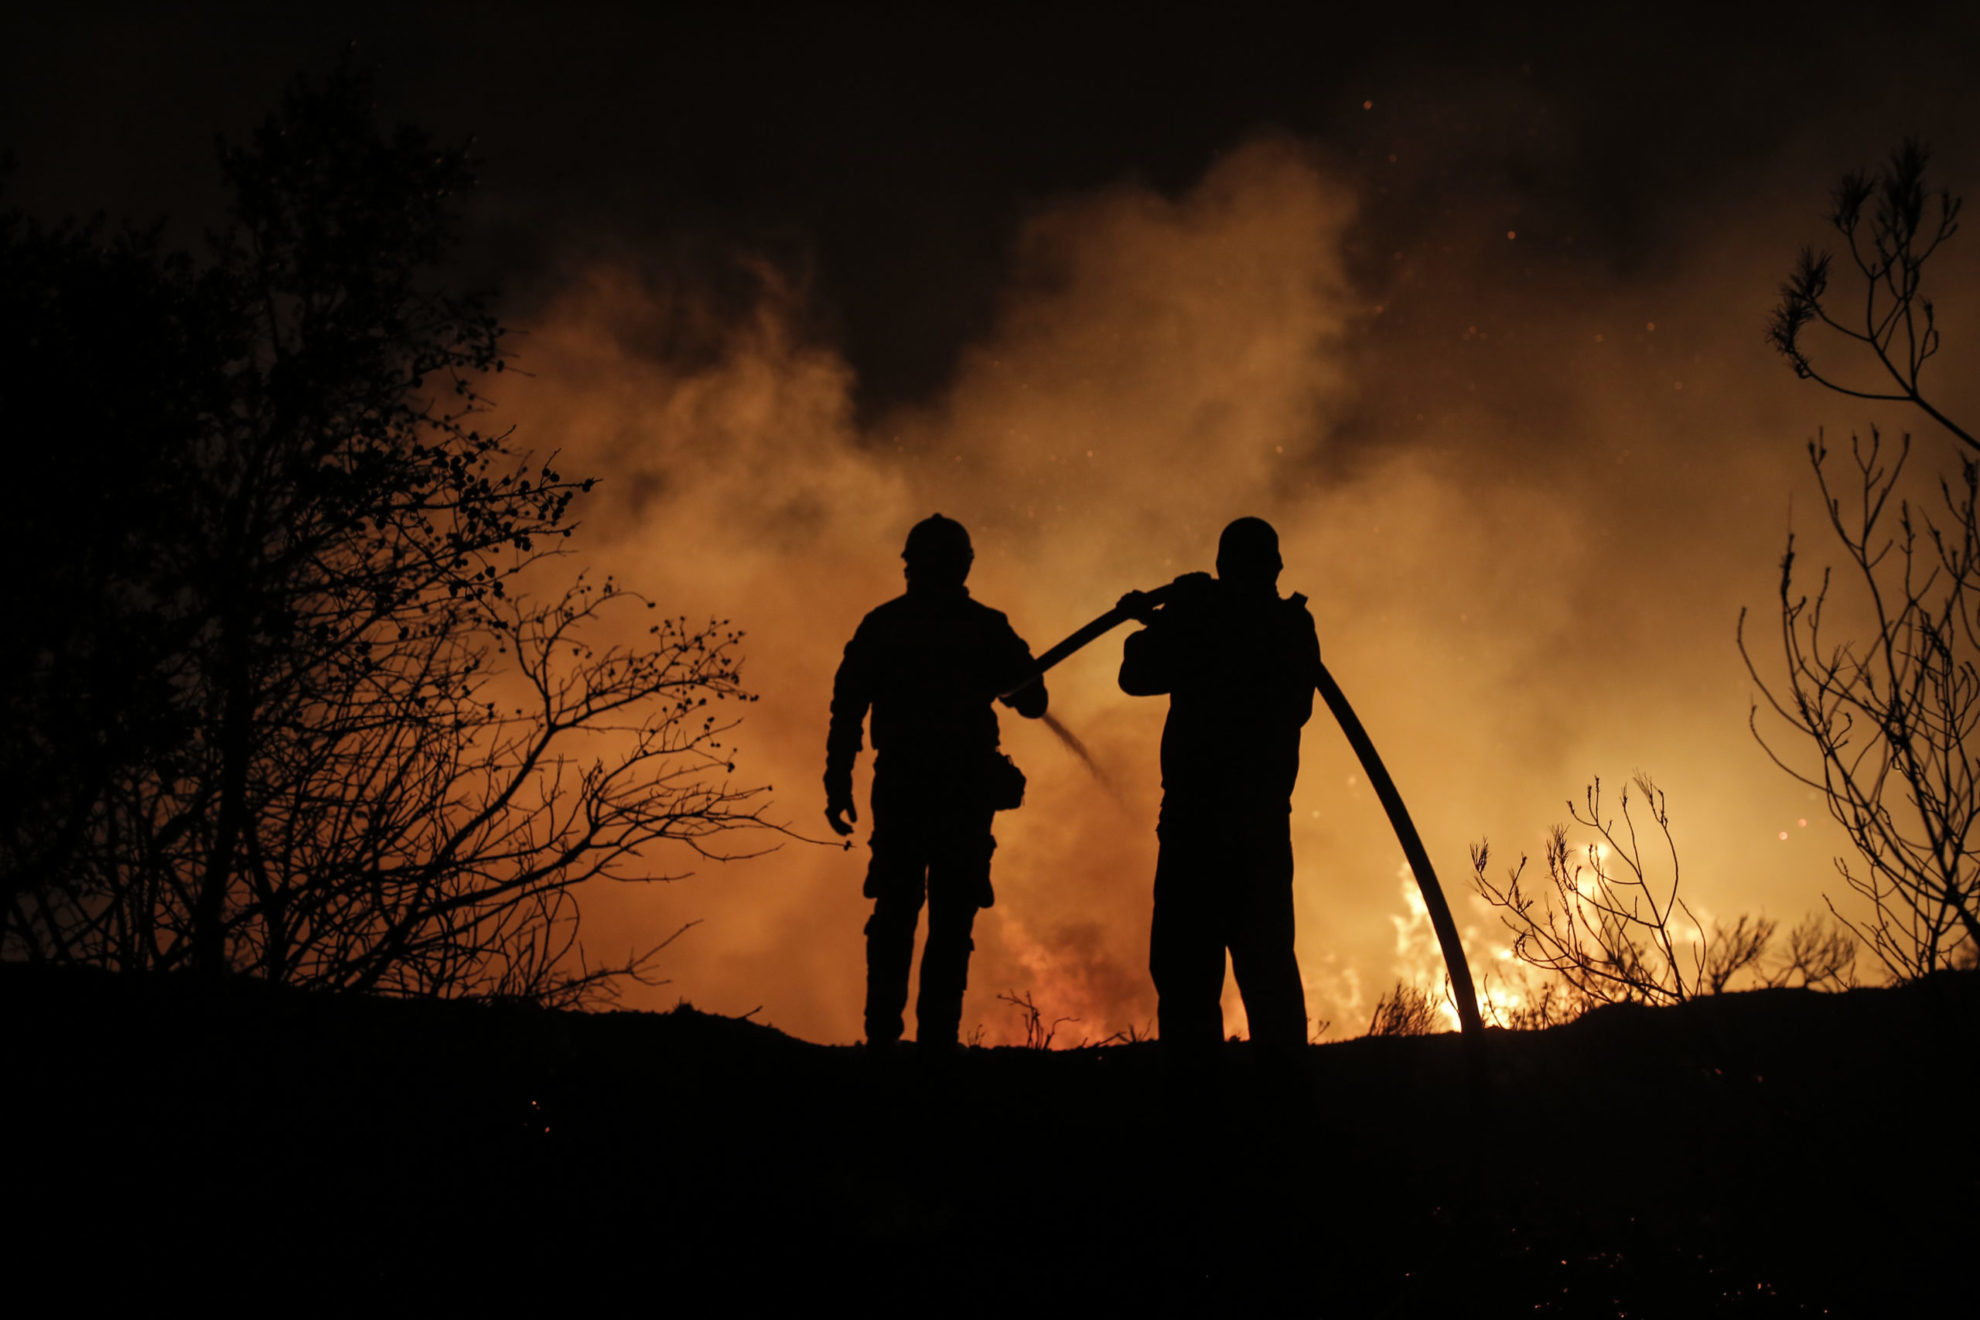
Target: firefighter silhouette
928 664
1238 664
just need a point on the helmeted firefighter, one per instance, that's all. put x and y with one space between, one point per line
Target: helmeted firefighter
1238 664
928 664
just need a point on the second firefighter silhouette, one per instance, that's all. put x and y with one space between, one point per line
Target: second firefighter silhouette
1238 664
928 664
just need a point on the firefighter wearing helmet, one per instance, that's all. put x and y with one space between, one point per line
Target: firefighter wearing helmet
928 665
1238 665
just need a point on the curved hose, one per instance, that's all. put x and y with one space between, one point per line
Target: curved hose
1441 921
1412 845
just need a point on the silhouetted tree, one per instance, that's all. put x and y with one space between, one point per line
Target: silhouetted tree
319 738
1888 714
107 356
1895 331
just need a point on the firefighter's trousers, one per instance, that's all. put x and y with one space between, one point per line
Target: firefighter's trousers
929 842
1225 882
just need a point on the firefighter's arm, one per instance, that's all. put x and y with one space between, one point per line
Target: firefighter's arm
1030 700
1145 662
852 694
1307 668
1169 651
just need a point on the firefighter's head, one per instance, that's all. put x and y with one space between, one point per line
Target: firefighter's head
937 553
1248 555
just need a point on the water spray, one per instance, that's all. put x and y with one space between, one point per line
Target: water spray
1078 749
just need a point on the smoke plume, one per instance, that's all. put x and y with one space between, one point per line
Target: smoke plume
1526 497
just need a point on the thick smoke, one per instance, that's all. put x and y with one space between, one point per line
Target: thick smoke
1526 498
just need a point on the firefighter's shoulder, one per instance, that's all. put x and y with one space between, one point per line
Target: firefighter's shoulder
881 620
888 610
988 615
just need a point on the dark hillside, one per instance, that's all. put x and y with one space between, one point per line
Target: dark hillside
1774 1153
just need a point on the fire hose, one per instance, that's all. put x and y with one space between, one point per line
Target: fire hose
1441 921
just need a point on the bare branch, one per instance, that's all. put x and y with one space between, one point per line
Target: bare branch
1610 925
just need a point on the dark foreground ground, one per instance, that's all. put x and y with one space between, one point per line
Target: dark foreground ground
247 1150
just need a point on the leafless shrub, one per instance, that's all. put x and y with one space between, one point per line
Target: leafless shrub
1610 924
1530 1001
1819 954
1406 1010
1131 1034
1038 1034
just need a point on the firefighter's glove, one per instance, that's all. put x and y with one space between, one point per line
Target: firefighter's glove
837 806
1139 606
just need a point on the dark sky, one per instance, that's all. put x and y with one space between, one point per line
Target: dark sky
889 154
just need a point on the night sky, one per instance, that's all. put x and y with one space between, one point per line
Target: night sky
891 153
1469 302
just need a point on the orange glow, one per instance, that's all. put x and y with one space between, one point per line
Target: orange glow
1525 551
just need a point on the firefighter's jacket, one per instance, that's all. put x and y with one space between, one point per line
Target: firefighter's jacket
929 665
1239 669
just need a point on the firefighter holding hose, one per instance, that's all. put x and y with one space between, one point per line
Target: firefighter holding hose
1238 664
928 664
